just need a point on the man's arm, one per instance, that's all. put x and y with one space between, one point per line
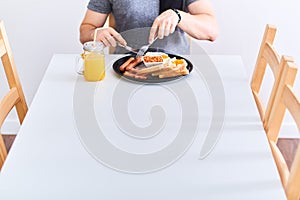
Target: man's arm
200 22
94 20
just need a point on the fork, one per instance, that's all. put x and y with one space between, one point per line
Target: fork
144 48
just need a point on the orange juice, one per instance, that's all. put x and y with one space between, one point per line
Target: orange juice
94 67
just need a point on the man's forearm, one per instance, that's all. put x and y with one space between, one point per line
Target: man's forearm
201 27
86 32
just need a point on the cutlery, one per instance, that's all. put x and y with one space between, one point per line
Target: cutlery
144 48
128 48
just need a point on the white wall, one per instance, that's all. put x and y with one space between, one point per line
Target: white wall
242 25
37 29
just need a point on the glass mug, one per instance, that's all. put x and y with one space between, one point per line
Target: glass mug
93 61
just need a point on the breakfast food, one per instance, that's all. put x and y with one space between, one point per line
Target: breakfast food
134 63
152 59
125 64
134 75
149 70
156 65
130 63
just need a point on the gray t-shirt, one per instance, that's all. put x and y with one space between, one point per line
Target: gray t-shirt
133 21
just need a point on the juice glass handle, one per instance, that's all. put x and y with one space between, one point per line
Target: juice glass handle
79 65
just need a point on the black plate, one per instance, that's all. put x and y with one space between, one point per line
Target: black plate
150 79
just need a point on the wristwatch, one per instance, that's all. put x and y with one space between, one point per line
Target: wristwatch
178 13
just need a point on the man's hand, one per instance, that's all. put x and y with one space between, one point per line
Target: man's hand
109 37
95 21
164 25
199 22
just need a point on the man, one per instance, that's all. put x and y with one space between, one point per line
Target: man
137 18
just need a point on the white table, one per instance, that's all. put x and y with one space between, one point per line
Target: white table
53 157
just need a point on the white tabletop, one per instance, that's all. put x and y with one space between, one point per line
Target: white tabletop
63 148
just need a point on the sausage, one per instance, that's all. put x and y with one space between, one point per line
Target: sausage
130 74
131 65
125 64
140 77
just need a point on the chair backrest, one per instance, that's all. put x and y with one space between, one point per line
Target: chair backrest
15 96
285 99
267 56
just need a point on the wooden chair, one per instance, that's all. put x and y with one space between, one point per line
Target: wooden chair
267 56
285 99
15 96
